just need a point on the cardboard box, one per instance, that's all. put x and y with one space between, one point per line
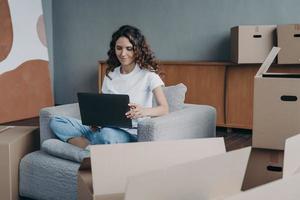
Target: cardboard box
287 189
15 142
251 44
216 177
276 107
265 162
288 37
111 165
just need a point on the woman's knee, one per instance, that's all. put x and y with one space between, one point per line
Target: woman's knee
62 128
55 122
114 136
108 135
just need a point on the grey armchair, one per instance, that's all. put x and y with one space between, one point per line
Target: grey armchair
51 173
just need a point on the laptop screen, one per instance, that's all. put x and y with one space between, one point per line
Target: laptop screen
105 110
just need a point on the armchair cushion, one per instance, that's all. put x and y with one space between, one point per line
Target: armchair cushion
64 150
175 95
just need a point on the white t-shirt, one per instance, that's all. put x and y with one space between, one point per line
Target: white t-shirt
138 84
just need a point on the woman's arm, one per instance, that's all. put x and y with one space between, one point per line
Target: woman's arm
162 107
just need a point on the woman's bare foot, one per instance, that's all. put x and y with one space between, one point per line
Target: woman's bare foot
80 142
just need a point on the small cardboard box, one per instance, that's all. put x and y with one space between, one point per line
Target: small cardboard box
216 177
15 142
276 114
111 165
288 37
251 44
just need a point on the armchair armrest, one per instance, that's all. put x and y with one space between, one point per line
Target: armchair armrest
193 121
71 110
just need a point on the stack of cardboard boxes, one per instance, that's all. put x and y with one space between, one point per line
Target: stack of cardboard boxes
276 117
251 44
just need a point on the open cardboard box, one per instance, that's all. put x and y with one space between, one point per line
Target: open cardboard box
216 177
104 175
276 113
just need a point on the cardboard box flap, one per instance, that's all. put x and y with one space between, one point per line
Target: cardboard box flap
287 189
268 61
210 178
4 128
113 164
10 134
291 156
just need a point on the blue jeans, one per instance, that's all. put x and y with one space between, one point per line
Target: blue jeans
66 128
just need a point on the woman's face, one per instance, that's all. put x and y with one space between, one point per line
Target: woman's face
124 52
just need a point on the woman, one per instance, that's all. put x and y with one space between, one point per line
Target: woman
131 70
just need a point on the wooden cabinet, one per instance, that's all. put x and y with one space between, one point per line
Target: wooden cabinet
226 86
204 81
239 95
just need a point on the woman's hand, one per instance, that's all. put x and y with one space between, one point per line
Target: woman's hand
136 111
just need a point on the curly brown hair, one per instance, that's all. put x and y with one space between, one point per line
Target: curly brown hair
144 57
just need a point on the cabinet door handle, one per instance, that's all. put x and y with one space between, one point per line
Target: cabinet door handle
288 98
296 35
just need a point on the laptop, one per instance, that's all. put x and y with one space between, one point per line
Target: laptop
105 110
